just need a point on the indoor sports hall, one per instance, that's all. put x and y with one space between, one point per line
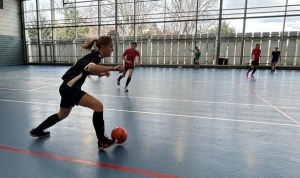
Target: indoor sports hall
182 121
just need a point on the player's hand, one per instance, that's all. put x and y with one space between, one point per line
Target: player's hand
119 68
129 62
107 74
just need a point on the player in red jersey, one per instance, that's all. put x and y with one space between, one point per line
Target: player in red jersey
129 56
255 59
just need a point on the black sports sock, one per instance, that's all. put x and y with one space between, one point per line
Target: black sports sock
120 77
249 70
98 124
253 71
128 80
49 122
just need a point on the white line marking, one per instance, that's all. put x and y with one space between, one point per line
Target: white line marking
34 89
27 102
175 115
13 89
208 118
164 99
179 81
207 81
264 100
277 109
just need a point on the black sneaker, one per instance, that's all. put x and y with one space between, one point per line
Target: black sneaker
39 133
105 143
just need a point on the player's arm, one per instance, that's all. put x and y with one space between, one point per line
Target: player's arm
94 69
252 55
259 54
139 56
191 50
279 57
124 57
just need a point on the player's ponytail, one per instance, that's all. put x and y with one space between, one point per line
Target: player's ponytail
102 41
89 42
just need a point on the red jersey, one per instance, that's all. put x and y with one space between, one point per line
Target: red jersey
130 56
256 53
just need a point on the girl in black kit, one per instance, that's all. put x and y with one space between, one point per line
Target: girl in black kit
71 93
275 57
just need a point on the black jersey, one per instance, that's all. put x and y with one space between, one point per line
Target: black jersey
77 74
276 54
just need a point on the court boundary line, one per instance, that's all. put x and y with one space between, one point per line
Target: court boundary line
86 162
206 118
167 114
165 99
264 100
199 81
34 89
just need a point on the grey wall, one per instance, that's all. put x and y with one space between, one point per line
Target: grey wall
11 46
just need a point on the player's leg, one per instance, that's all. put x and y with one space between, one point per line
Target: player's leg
271 66
130 72
121 76
254 68
39 131
197 63
98 121
69 98
274 64
251 67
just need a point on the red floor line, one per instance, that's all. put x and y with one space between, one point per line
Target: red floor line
80 161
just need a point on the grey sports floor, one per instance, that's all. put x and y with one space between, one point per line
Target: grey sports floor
210 123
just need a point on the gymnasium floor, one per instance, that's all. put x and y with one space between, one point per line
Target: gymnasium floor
207 123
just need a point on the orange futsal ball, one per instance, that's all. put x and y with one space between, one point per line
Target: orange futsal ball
119 134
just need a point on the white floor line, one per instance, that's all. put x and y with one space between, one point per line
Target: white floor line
165 114
283 113
274 107
164 99
179 81
34 89
203 81
13 89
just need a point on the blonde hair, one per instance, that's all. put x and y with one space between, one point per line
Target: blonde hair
102 41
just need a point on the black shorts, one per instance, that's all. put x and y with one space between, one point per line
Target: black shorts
126 68
254 63
274 60
70 96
